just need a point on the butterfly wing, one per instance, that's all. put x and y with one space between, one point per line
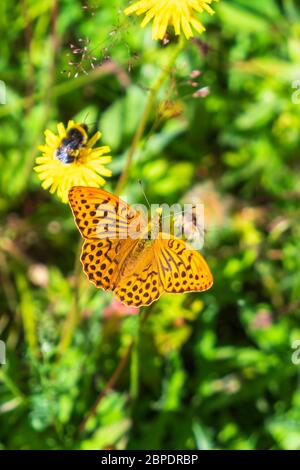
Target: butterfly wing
181 269
142 287
102 259
100 214
103 220
170 265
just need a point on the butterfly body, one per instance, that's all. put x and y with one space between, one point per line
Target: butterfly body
124 253
138 253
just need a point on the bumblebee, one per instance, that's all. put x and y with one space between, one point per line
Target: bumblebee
70 146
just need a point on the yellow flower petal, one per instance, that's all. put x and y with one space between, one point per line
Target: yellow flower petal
94 139
177 13
70 124
51 139
105 160
97 152
61 130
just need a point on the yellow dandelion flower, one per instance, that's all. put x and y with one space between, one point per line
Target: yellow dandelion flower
178 13
69 159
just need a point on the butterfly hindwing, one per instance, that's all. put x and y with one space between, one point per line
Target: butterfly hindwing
181 269
141 288
100 261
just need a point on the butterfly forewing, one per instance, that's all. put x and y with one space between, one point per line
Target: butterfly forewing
99 214
103 221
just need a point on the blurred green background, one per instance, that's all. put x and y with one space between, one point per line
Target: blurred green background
215 370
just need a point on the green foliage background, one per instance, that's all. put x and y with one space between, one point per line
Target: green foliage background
214 370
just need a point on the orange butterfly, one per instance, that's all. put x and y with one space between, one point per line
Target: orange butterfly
137 269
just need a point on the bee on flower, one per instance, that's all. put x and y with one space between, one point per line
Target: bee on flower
181 14
70 159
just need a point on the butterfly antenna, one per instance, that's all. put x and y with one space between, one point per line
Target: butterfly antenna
143 191
172 215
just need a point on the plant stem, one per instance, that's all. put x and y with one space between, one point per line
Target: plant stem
133 346
12 387
28 315
74 313
134 363
148 108
109 385
117 372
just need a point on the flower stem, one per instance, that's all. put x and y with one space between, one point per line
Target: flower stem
149 105
134 362
74 313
